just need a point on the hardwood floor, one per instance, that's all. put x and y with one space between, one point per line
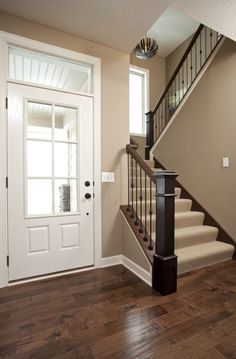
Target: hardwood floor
110 313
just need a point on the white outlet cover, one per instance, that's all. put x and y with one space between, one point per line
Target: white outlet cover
225 161
108 177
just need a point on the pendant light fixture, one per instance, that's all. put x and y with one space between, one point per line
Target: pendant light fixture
146 48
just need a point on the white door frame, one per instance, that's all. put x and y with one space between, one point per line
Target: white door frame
5 40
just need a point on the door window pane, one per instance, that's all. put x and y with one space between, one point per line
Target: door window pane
65 196
39 159
73 160
61 160
51 159
39 196
65 124
39 121
65 160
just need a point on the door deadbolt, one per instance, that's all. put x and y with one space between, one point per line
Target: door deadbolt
87 184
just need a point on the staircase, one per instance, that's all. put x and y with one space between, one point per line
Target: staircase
175 232
195 243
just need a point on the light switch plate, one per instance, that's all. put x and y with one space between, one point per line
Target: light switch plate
108 177
225 161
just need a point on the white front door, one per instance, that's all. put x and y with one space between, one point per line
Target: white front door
50 181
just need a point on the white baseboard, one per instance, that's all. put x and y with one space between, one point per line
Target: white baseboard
137 270
133 267
111 261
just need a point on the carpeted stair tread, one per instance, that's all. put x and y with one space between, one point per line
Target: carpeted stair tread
203 255
190 236
177 192
195 243
188 219
182 204
182 219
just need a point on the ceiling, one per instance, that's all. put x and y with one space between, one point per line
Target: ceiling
115 23
119 23
171 30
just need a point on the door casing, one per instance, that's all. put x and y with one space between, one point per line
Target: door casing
7 39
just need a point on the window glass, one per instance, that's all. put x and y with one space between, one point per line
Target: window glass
137 101
46 70
39 196
51 170
39 120
65 124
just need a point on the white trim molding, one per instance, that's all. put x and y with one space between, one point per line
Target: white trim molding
111 261
137 270
7 39
144 275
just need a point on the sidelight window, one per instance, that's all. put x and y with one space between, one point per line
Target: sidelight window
138 100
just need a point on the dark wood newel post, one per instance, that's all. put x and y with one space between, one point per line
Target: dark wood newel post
149 133
164 269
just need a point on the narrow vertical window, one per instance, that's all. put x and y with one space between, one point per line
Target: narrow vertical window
138 100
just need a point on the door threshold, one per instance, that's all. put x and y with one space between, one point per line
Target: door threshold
50 276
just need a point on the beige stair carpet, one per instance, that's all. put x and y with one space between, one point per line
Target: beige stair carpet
195 243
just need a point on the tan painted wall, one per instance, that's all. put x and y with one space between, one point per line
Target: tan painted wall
141 142
114 87
174 58
203 133
131 248
157 77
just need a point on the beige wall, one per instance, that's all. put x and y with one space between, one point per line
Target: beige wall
131 248
202 134
114 89
157 77
141 142
174 58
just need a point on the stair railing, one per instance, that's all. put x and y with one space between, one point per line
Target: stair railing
199 50
150 211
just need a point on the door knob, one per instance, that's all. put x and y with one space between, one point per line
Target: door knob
87 195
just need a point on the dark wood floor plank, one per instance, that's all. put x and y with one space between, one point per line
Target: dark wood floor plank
110 314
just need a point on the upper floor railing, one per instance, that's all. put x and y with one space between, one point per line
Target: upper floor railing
199 50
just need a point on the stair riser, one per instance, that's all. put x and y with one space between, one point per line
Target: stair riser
187 266
194 220
183 205
177 192
192 239
179 207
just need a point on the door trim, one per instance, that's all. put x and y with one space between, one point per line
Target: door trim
5 40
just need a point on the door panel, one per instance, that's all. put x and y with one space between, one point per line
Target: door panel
50 157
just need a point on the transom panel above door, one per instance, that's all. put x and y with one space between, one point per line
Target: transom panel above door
50 177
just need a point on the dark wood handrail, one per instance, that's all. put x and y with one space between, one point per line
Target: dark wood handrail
179 66
131 149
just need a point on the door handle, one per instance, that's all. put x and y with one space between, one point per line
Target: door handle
87 195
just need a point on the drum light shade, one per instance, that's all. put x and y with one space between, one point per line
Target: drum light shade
146 48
